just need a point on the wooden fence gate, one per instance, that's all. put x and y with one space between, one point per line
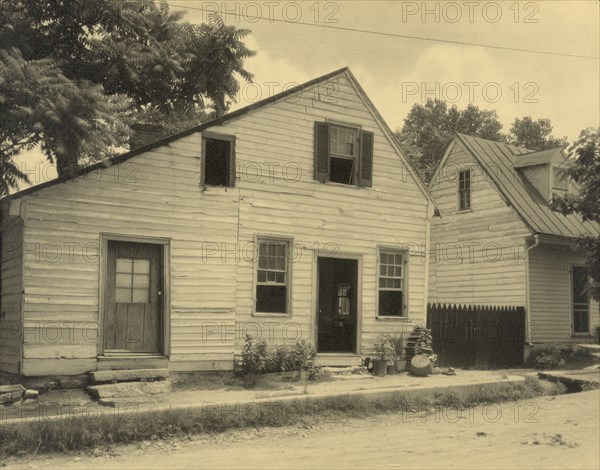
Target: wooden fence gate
479 337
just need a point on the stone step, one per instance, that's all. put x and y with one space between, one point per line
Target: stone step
128 389
343 370
131 375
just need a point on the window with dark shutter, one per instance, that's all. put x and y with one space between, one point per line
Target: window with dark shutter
343 154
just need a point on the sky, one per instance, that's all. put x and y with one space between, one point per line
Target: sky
296 41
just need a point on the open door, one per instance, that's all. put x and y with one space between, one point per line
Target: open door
337 316
133 288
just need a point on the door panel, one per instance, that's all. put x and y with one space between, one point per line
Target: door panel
133 298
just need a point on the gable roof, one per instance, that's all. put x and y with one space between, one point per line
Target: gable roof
498 161
229 117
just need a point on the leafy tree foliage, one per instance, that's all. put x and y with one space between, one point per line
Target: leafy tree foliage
75 73
428 130
534 135
584 169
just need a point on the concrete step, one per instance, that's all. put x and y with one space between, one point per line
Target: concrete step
128 389
132 375
338 360
343 370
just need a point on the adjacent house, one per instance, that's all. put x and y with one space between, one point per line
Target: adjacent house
498 242
294 218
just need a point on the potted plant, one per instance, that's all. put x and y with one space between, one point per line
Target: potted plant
396 345
381 352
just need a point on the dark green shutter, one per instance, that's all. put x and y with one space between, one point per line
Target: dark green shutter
321 151
365 178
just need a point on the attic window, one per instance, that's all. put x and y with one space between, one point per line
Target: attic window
559 179
218 161
464 190
343 154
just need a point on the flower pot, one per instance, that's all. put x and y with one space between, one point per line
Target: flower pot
400 365
380 367
421 366
391 369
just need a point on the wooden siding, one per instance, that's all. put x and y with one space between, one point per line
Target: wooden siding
550 280
477 256
157 194
11 270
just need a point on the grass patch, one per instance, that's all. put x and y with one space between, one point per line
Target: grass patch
238 381
557 356
80 433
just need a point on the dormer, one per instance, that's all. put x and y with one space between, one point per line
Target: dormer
544 170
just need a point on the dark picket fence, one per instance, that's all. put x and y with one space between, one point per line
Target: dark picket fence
479 337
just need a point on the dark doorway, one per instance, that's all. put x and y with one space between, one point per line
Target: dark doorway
337 316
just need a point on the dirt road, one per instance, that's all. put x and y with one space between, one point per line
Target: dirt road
549 432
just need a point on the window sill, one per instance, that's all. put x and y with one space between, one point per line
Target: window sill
215 189
392 318
271 315
462 211
586 335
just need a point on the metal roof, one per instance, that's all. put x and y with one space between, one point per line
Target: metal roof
498 161
542 157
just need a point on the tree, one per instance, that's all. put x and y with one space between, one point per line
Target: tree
583 168
428 130
84 70
534 135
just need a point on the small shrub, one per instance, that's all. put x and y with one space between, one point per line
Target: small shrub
258 357
554 356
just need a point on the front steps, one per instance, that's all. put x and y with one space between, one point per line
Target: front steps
111 387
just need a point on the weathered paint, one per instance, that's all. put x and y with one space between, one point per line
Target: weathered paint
212 232
477 256
550 302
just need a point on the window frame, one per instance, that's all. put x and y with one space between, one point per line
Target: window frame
356 151
404 316
557 190
468 190
232 176
289 241
572 303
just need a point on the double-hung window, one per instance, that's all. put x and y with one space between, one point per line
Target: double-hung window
273 276
343 154
464 190
392 282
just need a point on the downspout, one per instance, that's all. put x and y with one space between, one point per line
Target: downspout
528 290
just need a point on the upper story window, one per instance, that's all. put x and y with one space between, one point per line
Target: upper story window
343 154
218 160
464 190
392 282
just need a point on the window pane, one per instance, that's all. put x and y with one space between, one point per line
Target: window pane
271 299
141 266
123 280
390 303
140 296
280 277
124 265
123 295
141 280
262 276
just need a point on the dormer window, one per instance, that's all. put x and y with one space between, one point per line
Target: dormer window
343 154
464 190
560 181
